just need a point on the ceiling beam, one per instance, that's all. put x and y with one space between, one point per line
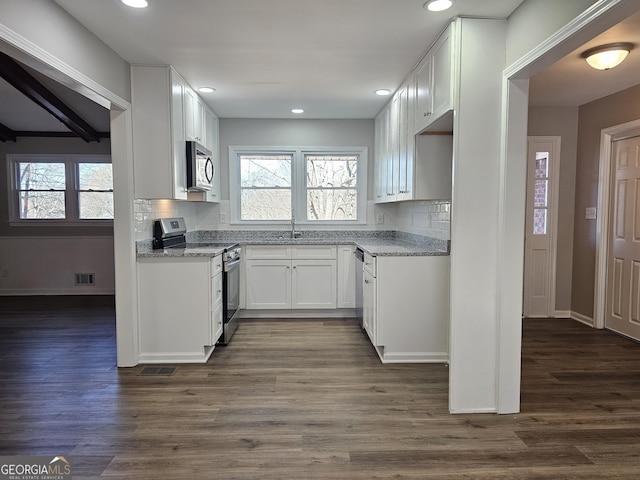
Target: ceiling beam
23 81
6 134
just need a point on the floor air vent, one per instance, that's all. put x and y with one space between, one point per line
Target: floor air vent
157 371
85 279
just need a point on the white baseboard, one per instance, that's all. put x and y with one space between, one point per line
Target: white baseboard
414 357
331 313
472 410
583 319
176 357
562 314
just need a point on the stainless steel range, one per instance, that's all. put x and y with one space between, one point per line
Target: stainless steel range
230 291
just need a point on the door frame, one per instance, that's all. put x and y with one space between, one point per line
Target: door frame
553 217
603 223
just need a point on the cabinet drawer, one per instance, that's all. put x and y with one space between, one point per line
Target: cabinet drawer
313 252
370 264
267 252
216 265
216 288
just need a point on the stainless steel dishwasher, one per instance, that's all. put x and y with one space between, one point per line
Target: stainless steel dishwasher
359 254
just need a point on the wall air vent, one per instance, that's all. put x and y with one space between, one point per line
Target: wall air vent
85 279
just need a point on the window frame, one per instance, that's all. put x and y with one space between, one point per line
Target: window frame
71 192
298 184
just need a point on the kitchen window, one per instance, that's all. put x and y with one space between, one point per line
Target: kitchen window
60 189
305 185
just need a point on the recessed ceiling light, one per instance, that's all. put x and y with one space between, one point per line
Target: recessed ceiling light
438 5
383 92
207 89
297 110
136 3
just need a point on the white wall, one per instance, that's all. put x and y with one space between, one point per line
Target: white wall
535 20
52 29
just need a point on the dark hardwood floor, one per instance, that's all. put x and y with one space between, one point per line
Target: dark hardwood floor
307 399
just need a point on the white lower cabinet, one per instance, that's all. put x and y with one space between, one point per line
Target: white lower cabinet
180 309
268 284
216 303
346 276
284 277
369 302
406 307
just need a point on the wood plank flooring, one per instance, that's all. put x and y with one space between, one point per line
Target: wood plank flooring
307 399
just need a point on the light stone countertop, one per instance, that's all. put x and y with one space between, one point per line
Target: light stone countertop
199 244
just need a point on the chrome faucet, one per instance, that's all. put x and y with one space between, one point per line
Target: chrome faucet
294 233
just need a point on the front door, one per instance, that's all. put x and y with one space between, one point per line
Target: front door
623 270
540 223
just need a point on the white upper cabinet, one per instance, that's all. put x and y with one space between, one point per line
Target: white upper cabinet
409 167
211 141
166 113
159 152
434 79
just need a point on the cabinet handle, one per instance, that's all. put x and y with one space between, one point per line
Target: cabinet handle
295 266
219 291
367 281
425 114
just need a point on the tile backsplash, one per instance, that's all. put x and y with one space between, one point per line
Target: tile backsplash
429 218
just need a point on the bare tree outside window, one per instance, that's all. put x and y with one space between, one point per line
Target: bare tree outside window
42 188
95 190
265 187
331 182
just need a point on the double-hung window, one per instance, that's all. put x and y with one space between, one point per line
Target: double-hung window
60 189
305 185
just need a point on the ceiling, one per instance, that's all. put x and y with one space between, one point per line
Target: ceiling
571 82
265 57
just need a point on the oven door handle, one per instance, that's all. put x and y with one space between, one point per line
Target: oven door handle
228 266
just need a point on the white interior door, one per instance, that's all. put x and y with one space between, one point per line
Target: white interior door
623 270
540 223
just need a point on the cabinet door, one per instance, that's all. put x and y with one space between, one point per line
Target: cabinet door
393 156
216 324
314 284
382 141
198 121
441 81
407 143
211 123
369 308
179 171
424 76
190 113
268 284
346 277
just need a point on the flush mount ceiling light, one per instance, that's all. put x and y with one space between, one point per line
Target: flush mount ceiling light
438 5
206 89
136 3
383 92
607 56
297 110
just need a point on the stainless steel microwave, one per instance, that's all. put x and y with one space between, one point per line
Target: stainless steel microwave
200 168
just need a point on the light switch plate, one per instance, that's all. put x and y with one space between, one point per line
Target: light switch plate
380 219
590 213
223 218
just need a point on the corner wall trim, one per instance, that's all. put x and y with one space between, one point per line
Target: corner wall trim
582 319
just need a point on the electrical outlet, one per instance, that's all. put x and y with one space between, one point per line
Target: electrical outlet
590 213
224 218
380 219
